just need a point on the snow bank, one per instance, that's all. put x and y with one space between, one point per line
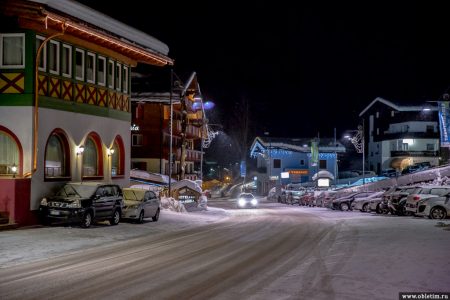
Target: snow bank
172 205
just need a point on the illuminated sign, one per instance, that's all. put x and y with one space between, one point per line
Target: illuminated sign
134 127
298 172
323 182
284 174
273 177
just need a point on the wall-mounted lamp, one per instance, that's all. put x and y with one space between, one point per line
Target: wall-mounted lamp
14 170
110 151
79 150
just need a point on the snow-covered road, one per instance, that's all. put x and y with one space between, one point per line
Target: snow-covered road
274 252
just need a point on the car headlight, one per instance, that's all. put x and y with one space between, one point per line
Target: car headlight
241 202
75 204
44 202
254 202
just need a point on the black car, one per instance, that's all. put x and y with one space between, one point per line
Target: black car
83 202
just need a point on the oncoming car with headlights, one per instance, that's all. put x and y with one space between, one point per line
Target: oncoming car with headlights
247 200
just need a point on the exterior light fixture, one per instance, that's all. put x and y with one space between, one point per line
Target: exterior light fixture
426 109
14 170
79 150
110 151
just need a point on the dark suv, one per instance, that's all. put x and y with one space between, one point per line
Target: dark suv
83 202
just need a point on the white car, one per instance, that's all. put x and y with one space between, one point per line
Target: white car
425 192
247 200
434 208
363 203
140 204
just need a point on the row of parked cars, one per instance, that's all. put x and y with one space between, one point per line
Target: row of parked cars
87 202
432 201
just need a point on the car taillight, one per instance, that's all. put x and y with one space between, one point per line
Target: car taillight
416 198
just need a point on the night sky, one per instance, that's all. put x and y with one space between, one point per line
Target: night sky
304 68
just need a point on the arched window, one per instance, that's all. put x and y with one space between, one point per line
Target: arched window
10 153
118 158
92 156
57 161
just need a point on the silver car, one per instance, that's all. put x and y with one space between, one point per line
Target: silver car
140 204
434 208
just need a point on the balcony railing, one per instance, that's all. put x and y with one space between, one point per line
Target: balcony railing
415 153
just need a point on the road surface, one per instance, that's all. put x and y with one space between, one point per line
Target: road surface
273 252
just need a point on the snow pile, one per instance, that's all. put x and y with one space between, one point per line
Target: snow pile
188 183
203 202
154 177
172 205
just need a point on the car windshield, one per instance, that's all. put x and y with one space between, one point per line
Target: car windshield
131 195
247 196
79 191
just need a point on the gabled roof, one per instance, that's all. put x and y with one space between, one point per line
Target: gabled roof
396 107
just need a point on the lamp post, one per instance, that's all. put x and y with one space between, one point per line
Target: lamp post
359 143
170 131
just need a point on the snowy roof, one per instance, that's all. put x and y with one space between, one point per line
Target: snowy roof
396 106
105 22
295 144
323 174
187 183
152 177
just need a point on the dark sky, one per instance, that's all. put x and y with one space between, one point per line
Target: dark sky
303 67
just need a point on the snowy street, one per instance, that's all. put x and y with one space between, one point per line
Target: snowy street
273 252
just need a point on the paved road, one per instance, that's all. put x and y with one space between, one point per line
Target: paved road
274 252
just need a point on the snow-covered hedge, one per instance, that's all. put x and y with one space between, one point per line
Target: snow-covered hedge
172 205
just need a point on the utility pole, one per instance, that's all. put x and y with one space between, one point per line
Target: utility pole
170 131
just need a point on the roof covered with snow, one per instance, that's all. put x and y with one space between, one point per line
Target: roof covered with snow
187 183
100 20
151 177
398 107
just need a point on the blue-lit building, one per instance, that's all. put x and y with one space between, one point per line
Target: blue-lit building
289 160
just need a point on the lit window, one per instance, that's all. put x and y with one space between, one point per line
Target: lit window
101 80
110 74
118 158
53 57
43 56
9 154
56 156
125 79
12 50
90 68
79 64
118 77
66 61
90 161
323 164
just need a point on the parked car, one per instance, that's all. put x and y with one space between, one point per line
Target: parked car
84 202
247 200
434 207
362 203
395 202
344 203
140 204
425 192
389 173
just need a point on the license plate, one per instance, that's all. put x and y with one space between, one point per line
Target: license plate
55 212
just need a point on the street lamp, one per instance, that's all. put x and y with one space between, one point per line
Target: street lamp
358 142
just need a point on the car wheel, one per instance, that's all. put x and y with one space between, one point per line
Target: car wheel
366 208
87 220
438 213
379 210
140 220
406 212
115 218
156 216
344 206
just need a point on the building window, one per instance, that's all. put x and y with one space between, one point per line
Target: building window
125 79
92 156
110 74
79 64
302 162
118 158
90 67
277 163
430 147
43 56
12 50
378 131
66 64
9 154
392 113
377 115
137 140
101 71
323 164
118 77
405 146
57 156
53 57
430 129
405 128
